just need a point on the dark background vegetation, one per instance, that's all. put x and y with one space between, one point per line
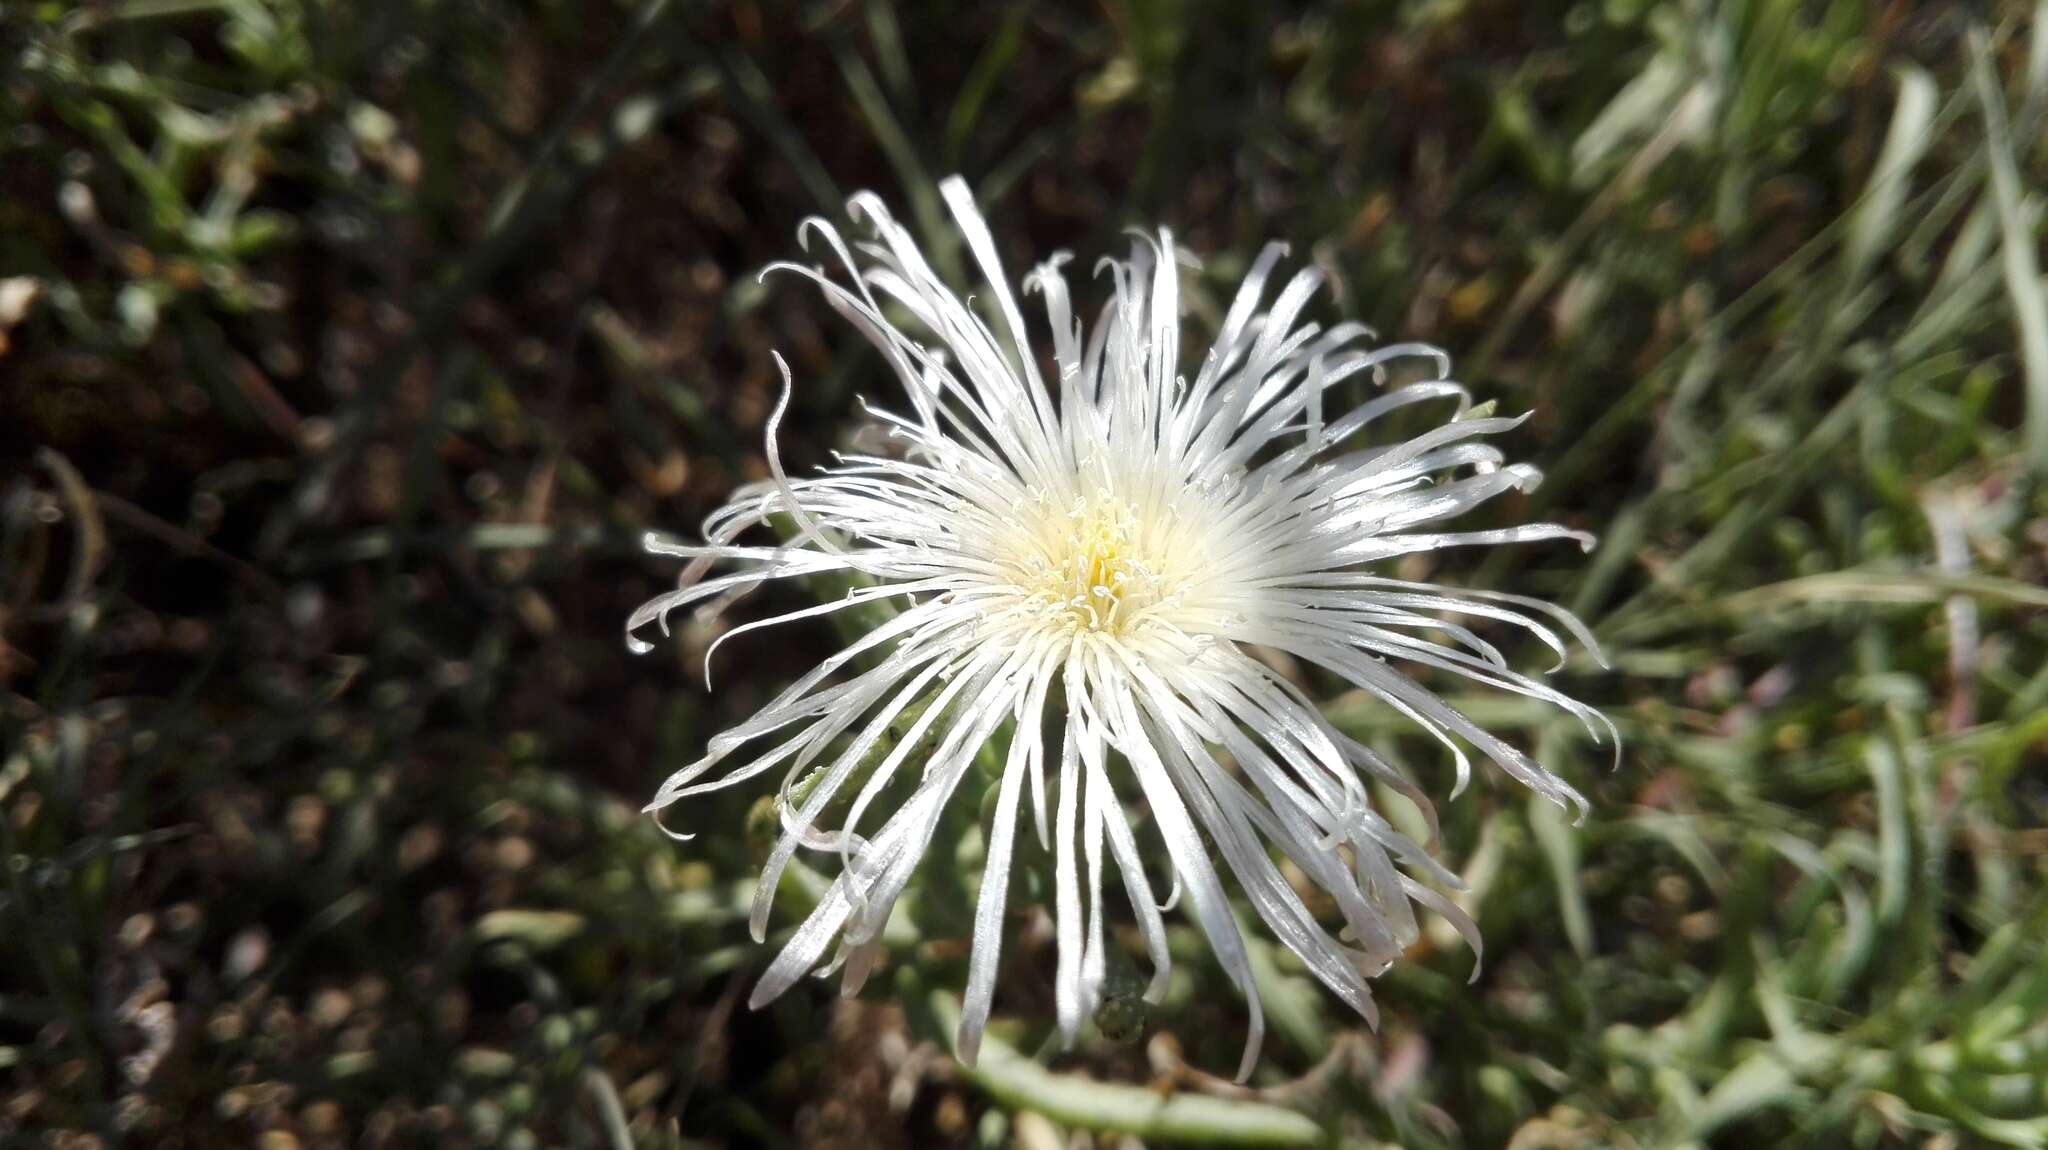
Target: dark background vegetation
348 348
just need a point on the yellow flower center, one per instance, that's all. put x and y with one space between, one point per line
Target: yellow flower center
1095 566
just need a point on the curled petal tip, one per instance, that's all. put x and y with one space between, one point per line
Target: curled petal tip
655 809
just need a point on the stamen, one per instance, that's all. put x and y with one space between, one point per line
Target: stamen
1100 565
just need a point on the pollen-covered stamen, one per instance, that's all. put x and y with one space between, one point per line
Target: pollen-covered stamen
1098 564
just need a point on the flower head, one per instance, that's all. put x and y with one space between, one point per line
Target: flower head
1089 557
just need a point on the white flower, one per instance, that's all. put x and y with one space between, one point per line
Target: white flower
1089 560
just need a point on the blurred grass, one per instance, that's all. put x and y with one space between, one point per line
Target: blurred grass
350 348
